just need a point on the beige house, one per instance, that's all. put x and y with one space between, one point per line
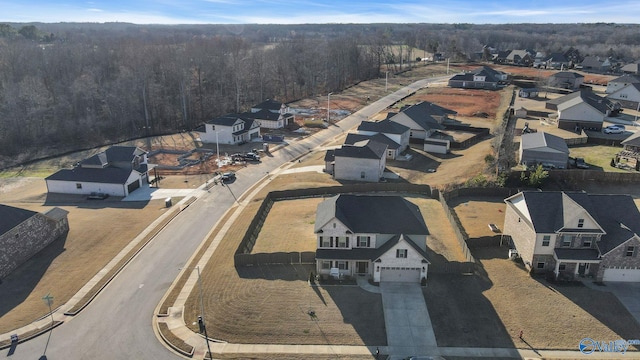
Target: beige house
362 161
574 234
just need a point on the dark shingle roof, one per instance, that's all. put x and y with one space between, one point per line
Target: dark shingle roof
330 156
372 214
109 175
122 153
12 217
618 215
225 120
370 150
422 115
379 138
367 253
626 79
567 75
577 254
599 103
262 114
385 126
633 140
269 104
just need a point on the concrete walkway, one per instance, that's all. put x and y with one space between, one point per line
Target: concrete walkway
407 321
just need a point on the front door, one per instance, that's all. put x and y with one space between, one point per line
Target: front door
362 267
581 268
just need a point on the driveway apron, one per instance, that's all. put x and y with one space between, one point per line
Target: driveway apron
409 329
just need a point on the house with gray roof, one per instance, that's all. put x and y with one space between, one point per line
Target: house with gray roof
543 148
117 171
582 110
595 64
627 96
271 114
620 82
555 61
632 143
381 237
396 134
483 77
633 68
361 161
566 80
575 234
233 129
24 233
520 57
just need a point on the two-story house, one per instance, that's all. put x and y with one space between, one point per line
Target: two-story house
117 171
483 77
582 110
230 129
362 161
271 114
393 134
575 234
382 237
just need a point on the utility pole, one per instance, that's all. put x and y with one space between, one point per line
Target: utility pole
49 300
328 103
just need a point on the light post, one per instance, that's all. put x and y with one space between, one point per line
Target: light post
217 150
49 300
204 324
328 113
386 80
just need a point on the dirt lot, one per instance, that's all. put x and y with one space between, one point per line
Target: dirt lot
551 316
68 263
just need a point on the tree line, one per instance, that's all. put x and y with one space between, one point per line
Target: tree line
68 86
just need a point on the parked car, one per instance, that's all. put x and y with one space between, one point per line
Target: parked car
228 176
251 157
581 164
614 129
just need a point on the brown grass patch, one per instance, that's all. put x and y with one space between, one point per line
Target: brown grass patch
467 102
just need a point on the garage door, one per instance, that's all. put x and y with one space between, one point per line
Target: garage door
627 275
134 185
399 274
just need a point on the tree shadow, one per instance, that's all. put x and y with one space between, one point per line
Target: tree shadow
16 287
81 201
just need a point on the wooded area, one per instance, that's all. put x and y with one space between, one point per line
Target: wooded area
70 86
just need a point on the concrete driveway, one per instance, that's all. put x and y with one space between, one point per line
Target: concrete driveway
406 318
629 295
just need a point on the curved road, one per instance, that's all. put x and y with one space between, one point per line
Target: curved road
117 324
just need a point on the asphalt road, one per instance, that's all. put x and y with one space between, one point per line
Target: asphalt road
117 324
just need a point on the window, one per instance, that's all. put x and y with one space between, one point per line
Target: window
343 265
546 240
334 225
401 253
364 241
325 241
540 265
566 241
580 223
587 241
326 264
78 186
630 250
562 267
362 175
342 242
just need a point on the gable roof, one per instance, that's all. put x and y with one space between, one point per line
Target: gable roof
542 139
570 75
633 140
369 253
372 214
353 139
617 215
385 126
491 75
226 120
12 217
584 95
421 114
515 55
262 114
556 57
269 104
368 150
108 175
626 79
592 62
634 68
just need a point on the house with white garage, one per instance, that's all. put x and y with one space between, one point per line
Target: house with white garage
230 129
271 114
382 237
582 110
574 234
24 233
117 171
422 119
543 148
363 161
397 135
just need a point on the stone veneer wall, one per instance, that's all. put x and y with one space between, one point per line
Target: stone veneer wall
27 239
617 257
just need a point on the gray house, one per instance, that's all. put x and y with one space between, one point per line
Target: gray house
543 148
566 80
381 237
575 234
481 78
362 161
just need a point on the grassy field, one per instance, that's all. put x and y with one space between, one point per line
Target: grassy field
597 156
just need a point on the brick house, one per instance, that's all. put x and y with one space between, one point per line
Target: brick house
575 234
23 233
382 237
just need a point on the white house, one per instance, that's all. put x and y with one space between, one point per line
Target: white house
362 161
582 110
422 119
628 96
271 114
397 135
382 237
621 82
117 171
230 129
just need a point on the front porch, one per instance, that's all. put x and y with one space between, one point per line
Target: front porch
339 269
571 264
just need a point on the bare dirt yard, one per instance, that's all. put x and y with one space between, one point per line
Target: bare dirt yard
552 316
98 231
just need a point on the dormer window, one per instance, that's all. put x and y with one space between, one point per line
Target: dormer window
580 223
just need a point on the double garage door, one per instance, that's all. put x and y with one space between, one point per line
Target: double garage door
399 274
626 275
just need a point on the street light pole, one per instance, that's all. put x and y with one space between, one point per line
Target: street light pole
204 324
328 114
217 150
48 299
386 80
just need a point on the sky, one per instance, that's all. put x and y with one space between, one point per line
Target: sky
320 11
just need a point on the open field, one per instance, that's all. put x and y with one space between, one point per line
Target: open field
598 156
552 316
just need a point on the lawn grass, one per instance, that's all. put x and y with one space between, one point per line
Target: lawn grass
597 156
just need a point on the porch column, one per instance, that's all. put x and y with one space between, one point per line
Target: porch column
556 270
